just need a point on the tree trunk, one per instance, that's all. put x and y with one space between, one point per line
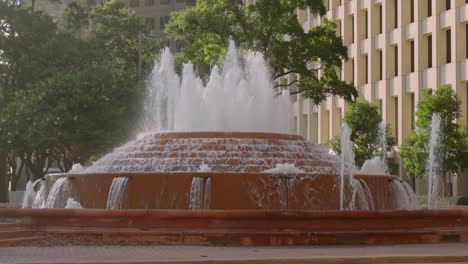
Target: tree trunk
3 178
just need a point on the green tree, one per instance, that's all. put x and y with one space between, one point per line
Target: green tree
270 27
23 36
453 146
68 92
364 120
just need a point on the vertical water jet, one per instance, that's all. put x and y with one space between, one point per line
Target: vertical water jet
433 166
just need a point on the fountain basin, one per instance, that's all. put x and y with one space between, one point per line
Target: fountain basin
233 191
239 171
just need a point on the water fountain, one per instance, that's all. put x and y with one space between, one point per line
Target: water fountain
433 162
245 147
217 164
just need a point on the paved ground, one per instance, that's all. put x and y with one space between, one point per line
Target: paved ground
434 253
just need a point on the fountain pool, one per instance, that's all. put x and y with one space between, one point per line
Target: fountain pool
216 164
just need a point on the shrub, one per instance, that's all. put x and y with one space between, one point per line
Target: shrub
462 201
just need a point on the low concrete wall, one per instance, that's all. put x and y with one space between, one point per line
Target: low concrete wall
246 227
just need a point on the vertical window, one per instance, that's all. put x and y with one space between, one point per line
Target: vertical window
412 111
412 55
396 120
381 65
396 12
381 19
367 69
396 60
366 24
466 40
412 11
447 4
338 28
163 21
340 76
352 29
352 70
134 3
380 107
448 36
149 22
429 51
429 8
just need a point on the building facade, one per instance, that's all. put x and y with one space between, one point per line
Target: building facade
396 49
155 13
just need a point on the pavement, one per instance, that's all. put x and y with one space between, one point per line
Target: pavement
413 253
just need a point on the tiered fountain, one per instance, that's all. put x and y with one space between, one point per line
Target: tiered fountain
173 166
220 166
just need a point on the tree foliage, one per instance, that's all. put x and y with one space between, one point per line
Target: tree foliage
270 27
364 120
68 90
453 146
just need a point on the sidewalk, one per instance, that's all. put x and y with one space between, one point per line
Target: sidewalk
416 253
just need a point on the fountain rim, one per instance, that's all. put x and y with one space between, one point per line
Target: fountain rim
54 176
224 134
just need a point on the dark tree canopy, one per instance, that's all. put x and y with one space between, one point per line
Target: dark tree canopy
69 90
270 27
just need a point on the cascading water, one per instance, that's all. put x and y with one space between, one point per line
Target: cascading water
73 204
286 191
285 168
207 194
405 196
59 193
433 165
374 166
29 195
41 196
117 192
360 193
196 193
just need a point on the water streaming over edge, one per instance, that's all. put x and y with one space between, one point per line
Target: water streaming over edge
29 195
117 192
59 193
